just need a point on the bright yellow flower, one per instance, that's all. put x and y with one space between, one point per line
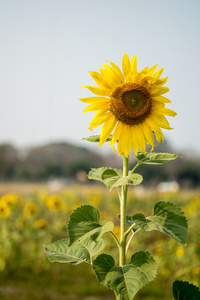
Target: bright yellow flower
4 209
54 202
40 224
129 104
30 209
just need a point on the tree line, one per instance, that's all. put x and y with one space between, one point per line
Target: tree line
64 160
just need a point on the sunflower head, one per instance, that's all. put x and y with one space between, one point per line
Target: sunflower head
129 104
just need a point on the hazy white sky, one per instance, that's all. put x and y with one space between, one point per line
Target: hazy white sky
48 47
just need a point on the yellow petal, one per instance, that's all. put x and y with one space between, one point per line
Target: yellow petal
160 121
134 141
98 90
94 99
126 66
134 64
159 91
98 78
158 73
107 129
151 70
96 106
161 82
116 132
127 139
140 138
117 71
111 75
99 119
156 129
167 112
119 134
148 134
161 99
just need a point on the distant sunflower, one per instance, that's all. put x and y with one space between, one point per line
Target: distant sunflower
54 202
4 209
129 104
30 209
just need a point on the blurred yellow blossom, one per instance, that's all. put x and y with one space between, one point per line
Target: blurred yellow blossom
54 202
116 231
10 199
180 251
30 209
40 224
196 271
4 209
158 249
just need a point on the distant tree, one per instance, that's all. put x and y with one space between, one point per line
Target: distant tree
8 161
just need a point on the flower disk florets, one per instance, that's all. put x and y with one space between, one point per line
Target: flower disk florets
130 103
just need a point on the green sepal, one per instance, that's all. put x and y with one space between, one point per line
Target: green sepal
126 280
154 158
61 252
183 290
96 138
84 222
167 218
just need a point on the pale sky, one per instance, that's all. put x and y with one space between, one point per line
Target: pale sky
48 47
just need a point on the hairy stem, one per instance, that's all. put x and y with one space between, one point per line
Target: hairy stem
123 202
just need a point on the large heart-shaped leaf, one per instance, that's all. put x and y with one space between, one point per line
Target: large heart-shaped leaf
83 251
183 290
126 280
154 158
84 222
167 218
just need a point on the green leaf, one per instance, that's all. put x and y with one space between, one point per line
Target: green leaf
96 138
83 251
126 280
102 265
84 222
113 178
156 158
183 290
167 218
84 213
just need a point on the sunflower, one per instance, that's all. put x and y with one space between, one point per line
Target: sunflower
40 224
30 209
54 202
130 104
4 209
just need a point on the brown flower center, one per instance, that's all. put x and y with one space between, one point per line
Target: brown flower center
130 103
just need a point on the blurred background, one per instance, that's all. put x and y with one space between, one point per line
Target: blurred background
47 49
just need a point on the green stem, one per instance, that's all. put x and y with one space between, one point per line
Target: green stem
115 238
136 166
123 202
130 228
122 249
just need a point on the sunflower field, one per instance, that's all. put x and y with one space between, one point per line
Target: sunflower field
32 218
